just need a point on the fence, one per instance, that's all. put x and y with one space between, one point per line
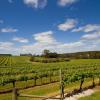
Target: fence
15 94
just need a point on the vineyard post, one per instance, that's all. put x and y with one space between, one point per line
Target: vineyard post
15 94
93 82
99 80
61 86
50 76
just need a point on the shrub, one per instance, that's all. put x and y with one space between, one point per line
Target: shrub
32 58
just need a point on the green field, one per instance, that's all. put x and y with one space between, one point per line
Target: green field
23 73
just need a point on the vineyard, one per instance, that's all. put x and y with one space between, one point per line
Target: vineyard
18 71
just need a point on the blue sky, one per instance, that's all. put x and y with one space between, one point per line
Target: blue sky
63 26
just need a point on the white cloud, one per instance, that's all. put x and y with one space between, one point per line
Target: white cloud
93 36
70 47
91 41
69 24
20 39
72 44
45 37
37 48
5 30
66 2
36 3
46 40
5 45
87 28
9 47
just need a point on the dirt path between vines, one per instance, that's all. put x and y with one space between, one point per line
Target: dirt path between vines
76 96
82 94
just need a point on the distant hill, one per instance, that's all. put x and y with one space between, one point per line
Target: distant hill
26 54
5 54
83 55
76 55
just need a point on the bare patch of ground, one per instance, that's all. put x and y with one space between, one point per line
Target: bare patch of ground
84 93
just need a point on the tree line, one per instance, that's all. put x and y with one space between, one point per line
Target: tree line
82 55
76 55
5 54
